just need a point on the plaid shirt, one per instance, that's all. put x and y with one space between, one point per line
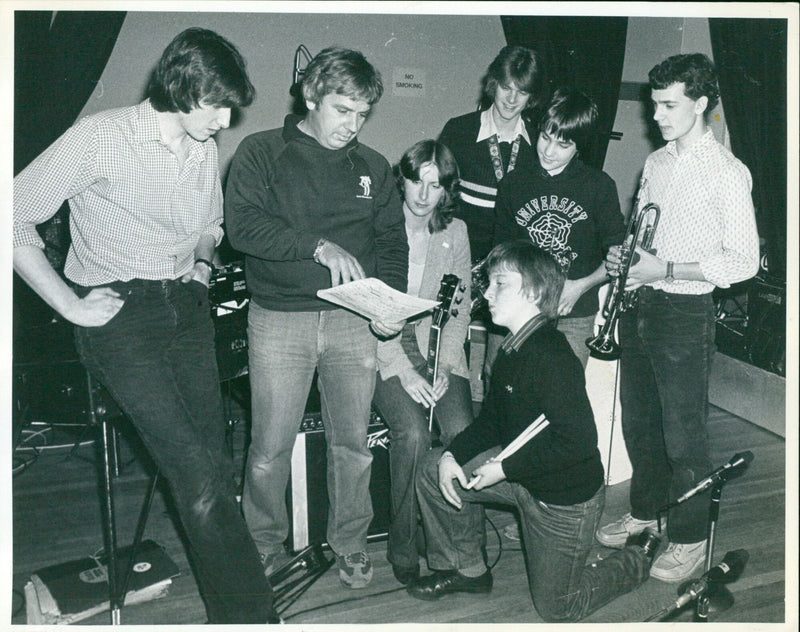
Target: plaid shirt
707 214
133 214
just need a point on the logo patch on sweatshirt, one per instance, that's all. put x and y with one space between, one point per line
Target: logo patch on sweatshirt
366 184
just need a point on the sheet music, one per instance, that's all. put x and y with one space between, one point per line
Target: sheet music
539 424
374 300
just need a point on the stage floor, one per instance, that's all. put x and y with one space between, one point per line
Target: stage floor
56 518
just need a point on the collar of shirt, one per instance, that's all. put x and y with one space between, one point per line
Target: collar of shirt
489 129
513 342
700 149
148 131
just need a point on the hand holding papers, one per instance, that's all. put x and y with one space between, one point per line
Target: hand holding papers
526 435
375 300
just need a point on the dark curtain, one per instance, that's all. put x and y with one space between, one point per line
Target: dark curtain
58 59
584 52
750 55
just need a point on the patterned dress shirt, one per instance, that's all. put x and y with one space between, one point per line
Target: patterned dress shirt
707 214
134 211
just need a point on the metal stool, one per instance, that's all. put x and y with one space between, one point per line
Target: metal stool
109 467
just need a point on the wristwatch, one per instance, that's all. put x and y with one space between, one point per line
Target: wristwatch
669 277
212 268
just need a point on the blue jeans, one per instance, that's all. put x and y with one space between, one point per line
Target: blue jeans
284 350
576 331
557 542
667 349
409 442
156 357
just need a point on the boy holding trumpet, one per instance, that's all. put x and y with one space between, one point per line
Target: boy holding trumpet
555 479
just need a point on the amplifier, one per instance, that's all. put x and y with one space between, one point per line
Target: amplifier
58 394
229 298
766 327
50 383
307 492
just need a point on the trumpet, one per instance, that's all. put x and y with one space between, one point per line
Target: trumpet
641 229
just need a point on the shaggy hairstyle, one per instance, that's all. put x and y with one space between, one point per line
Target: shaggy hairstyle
341 71
542 276
432 152
571 116
522 66
199 66
694 70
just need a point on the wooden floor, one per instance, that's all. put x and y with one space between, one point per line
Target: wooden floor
57 518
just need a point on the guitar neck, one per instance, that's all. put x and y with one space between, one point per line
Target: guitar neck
432 364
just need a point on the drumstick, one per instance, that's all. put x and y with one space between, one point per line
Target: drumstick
526 435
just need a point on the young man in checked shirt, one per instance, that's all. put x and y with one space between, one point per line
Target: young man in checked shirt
706 238
145 213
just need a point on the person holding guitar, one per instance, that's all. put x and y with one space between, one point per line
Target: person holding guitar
425 366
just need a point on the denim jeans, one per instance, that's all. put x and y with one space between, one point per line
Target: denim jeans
667 349
284 350
576 331
409 442
557 541
156 357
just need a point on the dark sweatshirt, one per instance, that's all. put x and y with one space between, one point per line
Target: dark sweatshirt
478 182
561 465
574 215
285 191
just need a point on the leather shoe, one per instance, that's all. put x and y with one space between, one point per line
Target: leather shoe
406 574
442 583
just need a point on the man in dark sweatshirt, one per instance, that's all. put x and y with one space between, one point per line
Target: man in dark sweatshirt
310 207
555 480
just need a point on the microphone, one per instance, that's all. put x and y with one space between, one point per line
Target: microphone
721 474
728 570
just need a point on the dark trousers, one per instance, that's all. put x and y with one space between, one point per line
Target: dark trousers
667 348
410 440
557 540
156 357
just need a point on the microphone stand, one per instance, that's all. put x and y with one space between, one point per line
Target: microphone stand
717 598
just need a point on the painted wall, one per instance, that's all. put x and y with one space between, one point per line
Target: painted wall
446 55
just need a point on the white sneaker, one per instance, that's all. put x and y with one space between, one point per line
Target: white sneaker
615 534
679 561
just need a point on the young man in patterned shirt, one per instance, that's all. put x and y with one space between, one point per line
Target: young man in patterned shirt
706 238
145 213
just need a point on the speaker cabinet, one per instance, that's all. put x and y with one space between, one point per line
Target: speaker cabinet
307 493
766 329
229 298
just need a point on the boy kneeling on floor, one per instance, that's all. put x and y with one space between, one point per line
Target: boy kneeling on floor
555 480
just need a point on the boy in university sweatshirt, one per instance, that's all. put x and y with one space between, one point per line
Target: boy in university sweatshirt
567 208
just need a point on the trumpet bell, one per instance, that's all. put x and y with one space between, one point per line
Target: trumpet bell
603 347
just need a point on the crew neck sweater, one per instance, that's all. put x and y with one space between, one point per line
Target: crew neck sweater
285 191
561 465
